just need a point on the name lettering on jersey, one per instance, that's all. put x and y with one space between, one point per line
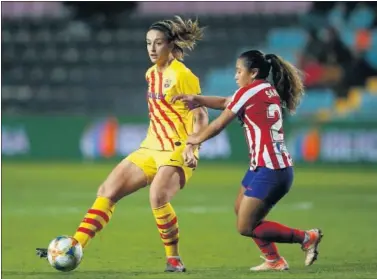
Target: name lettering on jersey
156 96
272 93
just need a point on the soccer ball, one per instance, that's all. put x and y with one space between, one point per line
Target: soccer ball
64 253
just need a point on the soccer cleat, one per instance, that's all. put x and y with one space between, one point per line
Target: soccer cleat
310 247
278 265
41 252
174 264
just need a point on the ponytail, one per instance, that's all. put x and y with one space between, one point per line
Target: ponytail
287 81
286 78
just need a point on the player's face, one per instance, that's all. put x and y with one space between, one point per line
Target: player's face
157 46
243 76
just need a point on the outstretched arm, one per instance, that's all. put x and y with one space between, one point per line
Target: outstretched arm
212 102
213 129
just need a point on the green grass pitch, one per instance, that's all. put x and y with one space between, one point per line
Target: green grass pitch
41 201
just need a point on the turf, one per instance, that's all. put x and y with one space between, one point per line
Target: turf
41 201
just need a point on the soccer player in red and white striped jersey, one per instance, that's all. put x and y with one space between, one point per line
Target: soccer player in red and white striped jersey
258 105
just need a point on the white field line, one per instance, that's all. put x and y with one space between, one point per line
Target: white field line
195 209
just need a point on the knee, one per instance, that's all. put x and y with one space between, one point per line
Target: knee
105 192
245 231
112 193
101 191
246 228
158 198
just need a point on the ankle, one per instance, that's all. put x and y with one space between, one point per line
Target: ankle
272 258
306 238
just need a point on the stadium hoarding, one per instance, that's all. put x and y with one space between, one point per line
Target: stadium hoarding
337 143
40 138
117 137
87 138
91 139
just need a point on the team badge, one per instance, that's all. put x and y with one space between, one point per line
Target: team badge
167 83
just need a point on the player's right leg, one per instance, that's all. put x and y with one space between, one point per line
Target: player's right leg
125 179
130 175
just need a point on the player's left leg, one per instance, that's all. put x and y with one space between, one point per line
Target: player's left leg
238 200
268 248
167 182
251 211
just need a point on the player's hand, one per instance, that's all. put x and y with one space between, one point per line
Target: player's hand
189 100
193 140
189 157
183 98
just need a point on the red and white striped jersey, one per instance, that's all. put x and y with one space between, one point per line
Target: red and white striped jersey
258 106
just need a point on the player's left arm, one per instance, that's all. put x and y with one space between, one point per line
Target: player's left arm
212 129
201 119
190 85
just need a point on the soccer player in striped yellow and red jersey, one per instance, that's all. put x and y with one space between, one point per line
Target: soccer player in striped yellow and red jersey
159 161
169 123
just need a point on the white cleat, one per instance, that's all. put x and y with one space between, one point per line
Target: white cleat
278 265
311 246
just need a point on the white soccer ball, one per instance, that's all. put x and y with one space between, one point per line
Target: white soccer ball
64 253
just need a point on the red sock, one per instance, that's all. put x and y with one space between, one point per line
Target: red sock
275 232
268 249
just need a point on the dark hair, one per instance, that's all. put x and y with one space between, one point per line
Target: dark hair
184 34
286 77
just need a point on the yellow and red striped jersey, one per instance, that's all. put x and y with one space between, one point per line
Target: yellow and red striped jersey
170 124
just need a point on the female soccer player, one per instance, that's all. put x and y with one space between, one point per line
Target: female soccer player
159 160
258 105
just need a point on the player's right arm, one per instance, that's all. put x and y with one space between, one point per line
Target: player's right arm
212 102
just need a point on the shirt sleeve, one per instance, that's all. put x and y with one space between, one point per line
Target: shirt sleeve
242 97
189 84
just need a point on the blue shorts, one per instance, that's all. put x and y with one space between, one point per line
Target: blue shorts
267 184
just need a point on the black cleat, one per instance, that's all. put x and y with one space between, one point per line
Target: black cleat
41 252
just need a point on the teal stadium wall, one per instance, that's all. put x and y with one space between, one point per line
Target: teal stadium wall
75 138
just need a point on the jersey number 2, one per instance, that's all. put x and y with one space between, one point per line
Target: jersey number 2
276 128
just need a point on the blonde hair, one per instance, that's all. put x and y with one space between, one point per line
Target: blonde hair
183 33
